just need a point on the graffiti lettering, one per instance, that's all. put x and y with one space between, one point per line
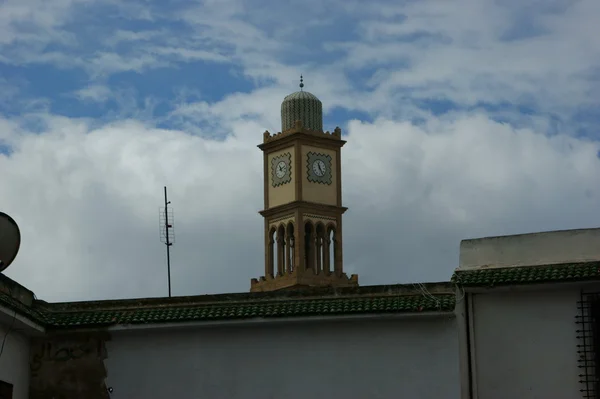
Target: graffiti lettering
68 367
48 353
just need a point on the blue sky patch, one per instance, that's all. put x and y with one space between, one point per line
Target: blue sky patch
141 60
5 149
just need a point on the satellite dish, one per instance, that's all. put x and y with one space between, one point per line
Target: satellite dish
10 240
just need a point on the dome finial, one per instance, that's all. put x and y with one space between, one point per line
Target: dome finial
301 82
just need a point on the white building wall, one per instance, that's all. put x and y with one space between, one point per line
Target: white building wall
525 344
546 248
415 358
14 362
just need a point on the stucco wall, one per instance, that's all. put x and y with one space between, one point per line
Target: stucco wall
525 344
68 366
285 192
318 192
545 248
14 362
367 359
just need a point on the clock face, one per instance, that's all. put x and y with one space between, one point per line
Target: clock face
319 168
280 169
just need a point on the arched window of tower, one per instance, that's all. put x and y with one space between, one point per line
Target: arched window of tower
309 251
281 250
331 249
290 248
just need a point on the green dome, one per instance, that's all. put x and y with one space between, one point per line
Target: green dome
302 106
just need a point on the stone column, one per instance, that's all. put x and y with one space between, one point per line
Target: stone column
318 253
288 263
326 253
299 243
268 249
270 268
339 265
292 248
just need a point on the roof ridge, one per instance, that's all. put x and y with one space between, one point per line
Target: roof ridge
329 306
252 302
549 273
560 264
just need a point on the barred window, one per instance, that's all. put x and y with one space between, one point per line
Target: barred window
588 347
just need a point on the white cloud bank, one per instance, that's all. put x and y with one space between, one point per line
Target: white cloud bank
86 192
87 201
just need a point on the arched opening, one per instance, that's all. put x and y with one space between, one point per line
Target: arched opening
331 244
309 253
290 255
327 255
280 250
272 253
320 233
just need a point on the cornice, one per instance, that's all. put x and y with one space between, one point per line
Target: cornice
304 136
304 206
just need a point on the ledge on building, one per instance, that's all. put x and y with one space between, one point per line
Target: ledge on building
16 307
546 257
521 275
303 281
15 291
534 249
424 299
298 129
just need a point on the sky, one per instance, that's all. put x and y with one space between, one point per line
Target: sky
463 119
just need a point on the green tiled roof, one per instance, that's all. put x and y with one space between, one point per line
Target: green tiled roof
528 274
363 300
267 309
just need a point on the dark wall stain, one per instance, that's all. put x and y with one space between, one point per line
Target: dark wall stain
68 367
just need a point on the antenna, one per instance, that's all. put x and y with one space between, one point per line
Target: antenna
167 233
10 240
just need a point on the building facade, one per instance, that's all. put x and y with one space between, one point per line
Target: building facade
531 314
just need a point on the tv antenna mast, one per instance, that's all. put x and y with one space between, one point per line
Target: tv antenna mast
167 233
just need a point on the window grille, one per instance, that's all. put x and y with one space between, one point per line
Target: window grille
588 347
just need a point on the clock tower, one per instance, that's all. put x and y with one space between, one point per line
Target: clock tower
303 200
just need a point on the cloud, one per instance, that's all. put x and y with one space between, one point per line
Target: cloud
34 20
103 64
190 54
94 93
121 36
87 201
478 113
470 53
470 62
